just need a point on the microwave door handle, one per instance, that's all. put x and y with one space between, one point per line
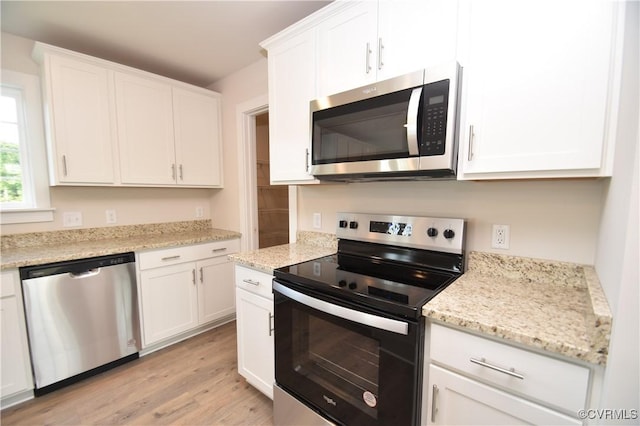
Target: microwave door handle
412 121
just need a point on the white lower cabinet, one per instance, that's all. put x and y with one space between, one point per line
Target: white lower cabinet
15 375
254 319
183 288
473 380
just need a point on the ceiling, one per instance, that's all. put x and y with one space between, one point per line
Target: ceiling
198 42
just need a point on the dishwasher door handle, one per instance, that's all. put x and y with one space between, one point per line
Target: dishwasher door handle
85 274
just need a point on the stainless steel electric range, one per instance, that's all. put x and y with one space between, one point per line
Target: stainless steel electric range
349 330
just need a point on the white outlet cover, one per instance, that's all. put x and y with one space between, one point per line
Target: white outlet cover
70 219
317 220
500 237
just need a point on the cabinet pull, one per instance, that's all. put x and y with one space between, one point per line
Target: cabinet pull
201 276
511 372
171 257
368 59
380 49
252 282
434 407
173 171
64 165
306 160
270 325
193 276
218 250
471 137
181 176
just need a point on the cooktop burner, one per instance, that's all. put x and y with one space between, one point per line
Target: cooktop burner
393 264
403 295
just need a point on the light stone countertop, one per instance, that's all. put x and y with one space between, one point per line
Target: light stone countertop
309 245
553 306
55 246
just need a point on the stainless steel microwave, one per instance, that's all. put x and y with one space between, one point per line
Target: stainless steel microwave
402 128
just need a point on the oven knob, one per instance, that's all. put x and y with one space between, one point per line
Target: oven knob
432 232
342 224
353 224
342 283
353 285
448 233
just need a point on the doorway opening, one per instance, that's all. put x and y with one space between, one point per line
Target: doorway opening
272 200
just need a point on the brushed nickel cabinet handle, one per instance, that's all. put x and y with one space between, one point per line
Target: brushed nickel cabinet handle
368 59
434 407
270 325
171 257
64 165
252 282
380 49
218 250
511 372
201 275
173 171
181 175
193 276
471 137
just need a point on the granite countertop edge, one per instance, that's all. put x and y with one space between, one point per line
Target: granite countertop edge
484 300
64 250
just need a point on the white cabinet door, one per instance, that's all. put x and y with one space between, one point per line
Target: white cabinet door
537 78
145 130
169 301
216 289
348 48
415 34
197 138
255 340
292 86
15 373
82 130
457 400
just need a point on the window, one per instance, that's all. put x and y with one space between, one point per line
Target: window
24 191
15 192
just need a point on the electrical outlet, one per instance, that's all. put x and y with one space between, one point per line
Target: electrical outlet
111 216
71 219
199 212
317 220
500 237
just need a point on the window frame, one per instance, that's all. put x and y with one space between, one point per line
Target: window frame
35 171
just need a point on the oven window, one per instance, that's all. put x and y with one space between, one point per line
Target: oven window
337 359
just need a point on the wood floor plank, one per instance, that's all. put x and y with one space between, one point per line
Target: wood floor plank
195 382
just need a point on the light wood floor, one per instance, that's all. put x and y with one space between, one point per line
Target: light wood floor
195 382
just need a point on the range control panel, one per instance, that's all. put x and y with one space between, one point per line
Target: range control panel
429 233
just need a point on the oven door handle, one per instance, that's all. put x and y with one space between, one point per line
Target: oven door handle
387 324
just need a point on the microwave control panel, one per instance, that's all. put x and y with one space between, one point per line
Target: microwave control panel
435 98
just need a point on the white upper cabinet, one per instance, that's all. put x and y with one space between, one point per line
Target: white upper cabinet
113 125
82 123
198 148
372 41
292 86
348 48
145 130
538 82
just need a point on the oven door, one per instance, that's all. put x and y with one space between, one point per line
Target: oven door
352 366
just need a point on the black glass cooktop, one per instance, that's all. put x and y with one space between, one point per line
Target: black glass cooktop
396 284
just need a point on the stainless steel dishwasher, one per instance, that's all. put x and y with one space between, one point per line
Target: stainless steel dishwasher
82 317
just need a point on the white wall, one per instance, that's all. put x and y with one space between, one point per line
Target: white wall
132 205
238 88
618 253
555 219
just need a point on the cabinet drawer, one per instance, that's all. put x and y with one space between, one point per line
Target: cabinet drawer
555 382
175 255
218 248
254 281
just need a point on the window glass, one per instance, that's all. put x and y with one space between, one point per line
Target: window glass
12 138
